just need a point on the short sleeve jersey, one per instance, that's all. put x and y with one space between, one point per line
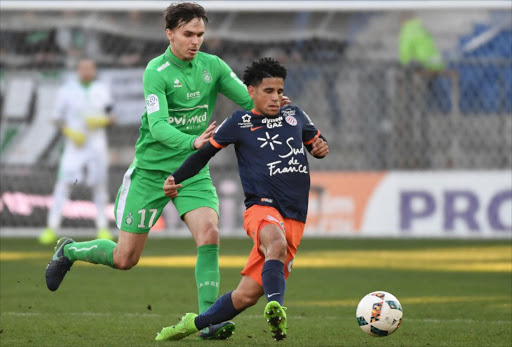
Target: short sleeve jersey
272 160
180 98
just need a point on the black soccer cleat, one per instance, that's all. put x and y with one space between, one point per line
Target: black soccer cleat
58 266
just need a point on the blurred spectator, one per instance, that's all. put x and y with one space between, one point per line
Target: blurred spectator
83 110
416 45
423 64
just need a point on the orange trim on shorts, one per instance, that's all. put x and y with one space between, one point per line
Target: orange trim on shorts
255 218
216 144
311 141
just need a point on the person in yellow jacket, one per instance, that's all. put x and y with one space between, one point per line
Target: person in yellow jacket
83 111
417 47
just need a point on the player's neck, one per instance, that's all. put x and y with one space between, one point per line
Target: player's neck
259 113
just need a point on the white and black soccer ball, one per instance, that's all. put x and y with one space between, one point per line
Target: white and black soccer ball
379 313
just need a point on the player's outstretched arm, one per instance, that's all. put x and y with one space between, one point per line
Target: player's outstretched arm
319 148
189 168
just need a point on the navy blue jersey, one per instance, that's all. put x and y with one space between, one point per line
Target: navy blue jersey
272 159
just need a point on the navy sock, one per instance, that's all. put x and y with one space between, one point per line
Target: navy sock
221 311
274 282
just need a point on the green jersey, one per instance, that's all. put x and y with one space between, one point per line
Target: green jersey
180 98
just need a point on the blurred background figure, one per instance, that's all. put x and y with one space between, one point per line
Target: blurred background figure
419 56
83 110
425 87
417 47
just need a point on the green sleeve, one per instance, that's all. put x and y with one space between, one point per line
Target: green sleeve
232 87
158 114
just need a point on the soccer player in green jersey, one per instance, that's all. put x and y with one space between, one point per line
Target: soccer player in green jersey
180 88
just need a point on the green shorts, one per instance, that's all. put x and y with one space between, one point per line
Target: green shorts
141 199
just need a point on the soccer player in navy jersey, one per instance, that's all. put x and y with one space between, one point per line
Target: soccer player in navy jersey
274 170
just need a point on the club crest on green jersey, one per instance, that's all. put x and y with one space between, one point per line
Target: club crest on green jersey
207 78
129 219
177 83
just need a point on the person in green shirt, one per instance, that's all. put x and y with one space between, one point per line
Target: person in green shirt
180 88
417 46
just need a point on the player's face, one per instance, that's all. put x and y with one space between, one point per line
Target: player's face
267 96
186 40
86 71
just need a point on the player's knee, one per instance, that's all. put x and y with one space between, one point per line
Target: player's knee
245 300
125 262
209 235
251 301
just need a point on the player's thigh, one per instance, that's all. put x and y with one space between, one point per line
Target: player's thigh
140 200
272 241
259 218
195 193
203 224
198 205
294 232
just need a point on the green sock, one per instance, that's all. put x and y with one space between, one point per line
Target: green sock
207 275
95 251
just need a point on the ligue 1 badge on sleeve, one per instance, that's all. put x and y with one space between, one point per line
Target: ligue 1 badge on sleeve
207 78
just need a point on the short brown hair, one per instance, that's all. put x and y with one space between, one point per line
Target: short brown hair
181 13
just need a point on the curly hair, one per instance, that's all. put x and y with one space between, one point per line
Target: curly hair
181 13
263 68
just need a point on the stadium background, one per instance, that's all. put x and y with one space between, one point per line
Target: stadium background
385 123
413 165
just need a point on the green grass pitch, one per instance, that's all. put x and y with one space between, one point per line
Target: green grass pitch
454 293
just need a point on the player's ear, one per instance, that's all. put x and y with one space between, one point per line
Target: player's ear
252 91
169 34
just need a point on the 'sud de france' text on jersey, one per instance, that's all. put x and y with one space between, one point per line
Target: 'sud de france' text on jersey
271 157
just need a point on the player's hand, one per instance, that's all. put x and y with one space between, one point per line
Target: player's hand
75 136
170 188
202 139
285 101
320 148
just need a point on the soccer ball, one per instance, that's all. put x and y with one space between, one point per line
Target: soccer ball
379 314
